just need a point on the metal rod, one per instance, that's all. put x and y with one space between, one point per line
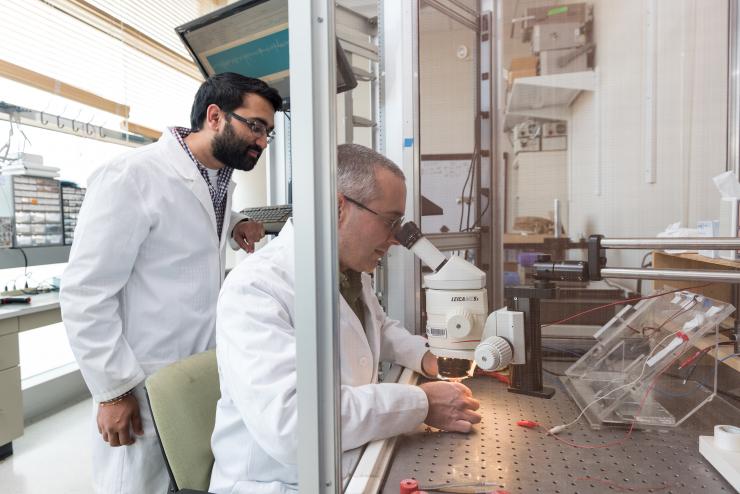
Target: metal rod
694 243
464 7
452 14
733 89
716 276
736 301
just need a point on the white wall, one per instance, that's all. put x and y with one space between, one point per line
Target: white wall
608 191
534 181
250 191
447 85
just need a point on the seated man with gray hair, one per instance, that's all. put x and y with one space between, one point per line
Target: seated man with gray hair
255 438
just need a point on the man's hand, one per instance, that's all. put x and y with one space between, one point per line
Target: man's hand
451 406
248 233
117 420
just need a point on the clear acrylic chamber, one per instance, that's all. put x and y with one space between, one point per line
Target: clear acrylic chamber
649 365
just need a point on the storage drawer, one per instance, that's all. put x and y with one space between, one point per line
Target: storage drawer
11 405
9 325
39 319
8 351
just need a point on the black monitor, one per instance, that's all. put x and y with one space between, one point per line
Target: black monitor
250 37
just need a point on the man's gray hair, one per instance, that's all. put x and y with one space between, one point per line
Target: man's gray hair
356 171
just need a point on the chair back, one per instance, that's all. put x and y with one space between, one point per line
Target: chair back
182 398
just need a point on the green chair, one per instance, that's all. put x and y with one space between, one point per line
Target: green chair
182 398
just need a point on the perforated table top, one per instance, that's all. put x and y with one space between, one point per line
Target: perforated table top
518 459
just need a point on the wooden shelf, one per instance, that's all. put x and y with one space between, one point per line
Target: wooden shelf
546 97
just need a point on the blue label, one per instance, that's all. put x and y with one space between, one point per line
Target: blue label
408 142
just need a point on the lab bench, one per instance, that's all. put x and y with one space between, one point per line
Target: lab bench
519 460
42 311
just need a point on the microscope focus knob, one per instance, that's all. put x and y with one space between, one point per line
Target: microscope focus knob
493 353
459 323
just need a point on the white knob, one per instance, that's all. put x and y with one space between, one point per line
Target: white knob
493 354
459 323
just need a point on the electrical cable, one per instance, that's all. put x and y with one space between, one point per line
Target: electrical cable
622 302
562 350
480 217
632 425
683 309
643 265
696 357
462 193
559 428
706 386
473 162
25 265
558 374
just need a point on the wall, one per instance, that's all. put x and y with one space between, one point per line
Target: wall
447 85
534 181
608 191
250 191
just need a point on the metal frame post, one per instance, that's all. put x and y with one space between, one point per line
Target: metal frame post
733 119
399 141
733 88
313 102
277 163
491 163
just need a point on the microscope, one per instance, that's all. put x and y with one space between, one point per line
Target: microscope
460 330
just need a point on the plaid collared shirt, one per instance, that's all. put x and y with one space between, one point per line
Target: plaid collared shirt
219 191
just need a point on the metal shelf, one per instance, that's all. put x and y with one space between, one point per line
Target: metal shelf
546 97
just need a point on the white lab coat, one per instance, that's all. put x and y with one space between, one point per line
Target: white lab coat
255 437
141 288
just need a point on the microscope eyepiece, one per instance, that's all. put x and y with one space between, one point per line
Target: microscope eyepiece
409 234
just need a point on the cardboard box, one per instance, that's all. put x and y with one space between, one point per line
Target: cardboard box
559 143
554 14
521 63
527 145
550 61
516 74
554 129
557 36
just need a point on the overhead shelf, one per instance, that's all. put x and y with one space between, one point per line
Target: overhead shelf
546 97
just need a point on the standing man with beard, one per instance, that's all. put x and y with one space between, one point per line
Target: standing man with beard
147 263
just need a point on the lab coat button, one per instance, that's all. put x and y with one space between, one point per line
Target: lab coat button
363 361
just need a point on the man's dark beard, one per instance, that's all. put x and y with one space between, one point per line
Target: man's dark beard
232 151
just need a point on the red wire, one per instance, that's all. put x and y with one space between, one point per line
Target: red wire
621 302
632 426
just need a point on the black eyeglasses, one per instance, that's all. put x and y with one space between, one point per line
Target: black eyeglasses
255 126
393 225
